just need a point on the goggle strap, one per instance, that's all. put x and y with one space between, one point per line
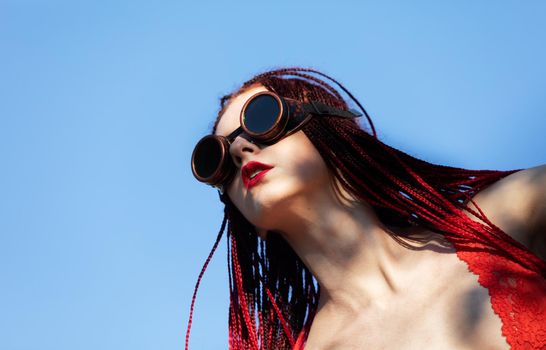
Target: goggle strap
323 109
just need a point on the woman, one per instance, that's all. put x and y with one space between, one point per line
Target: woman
338 241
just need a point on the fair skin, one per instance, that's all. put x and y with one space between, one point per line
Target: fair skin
375 293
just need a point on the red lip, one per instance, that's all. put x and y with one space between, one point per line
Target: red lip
249 169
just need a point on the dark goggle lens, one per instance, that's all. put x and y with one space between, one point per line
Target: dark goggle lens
207 157
261 114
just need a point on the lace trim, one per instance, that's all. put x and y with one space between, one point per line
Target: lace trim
518 296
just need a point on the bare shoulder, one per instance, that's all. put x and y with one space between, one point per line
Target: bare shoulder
517 204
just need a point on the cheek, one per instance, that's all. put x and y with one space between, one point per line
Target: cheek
312 171
305 163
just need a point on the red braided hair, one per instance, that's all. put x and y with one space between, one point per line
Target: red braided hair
273 296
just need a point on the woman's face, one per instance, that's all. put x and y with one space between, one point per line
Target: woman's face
298 172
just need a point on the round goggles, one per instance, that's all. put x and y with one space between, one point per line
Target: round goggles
265 118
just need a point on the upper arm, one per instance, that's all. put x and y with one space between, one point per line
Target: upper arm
517 205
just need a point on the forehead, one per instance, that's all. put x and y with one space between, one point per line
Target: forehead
229 120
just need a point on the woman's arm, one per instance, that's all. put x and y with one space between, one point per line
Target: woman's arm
517 204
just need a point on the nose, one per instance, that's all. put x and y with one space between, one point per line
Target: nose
241 149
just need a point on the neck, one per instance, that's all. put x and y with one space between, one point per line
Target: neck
343 244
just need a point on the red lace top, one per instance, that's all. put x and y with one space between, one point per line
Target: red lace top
518 297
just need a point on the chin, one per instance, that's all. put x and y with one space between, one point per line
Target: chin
269 205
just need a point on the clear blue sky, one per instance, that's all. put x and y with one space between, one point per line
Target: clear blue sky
103 229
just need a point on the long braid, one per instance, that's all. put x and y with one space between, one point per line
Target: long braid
254 293
218 237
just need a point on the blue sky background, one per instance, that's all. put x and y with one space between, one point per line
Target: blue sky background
103 229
